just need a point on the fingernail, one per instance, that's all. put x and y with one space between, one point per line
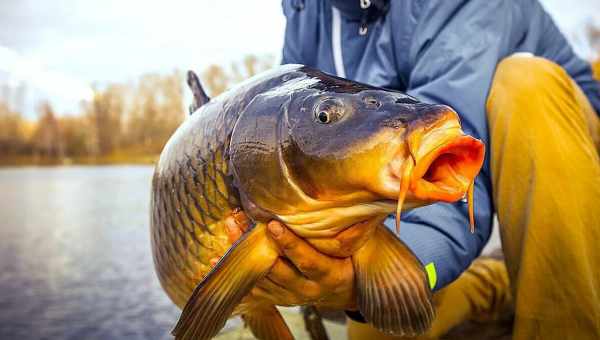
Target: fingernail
275 229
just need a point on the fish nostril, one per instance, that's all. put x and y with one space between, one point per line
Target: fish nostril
394 123
371 102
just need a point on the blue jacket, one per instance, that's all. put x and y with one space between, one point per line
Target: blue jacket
440 51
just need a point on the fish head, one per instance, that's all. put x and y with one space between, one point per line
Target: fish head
345 152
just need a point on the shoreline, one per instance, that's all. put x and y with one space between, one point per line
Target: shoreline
27 161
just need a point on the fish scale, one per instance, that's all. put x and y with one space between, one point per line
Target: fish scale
190 200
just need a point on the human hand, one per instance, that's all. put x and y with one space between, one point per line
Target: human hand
303 275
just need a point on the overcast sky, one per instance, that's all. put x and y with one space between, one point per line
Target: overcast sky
59 48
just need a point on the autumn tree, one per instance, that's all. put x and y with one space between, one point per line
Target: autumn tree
76 133
122 120
12 125
12 139
593 36
216 79
157 110
46 139
105 113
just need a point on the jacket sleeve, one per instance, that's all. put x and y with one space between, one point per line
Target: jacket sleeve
452 59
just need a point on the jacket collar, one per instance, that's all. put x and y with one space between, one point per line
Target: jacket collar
365 11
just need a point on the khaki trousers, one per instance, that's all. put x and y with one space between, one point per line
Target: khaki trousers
546 189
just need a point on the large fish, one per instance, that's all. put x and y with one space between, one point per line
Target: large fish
320 154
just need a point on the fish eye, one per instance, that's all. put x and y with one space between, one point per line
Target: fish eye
328 111
323 117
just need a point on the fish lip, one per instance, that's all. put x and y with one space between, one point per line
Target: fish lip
458 157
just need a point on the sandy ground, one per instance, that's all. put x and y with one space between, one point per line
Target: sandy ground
294 320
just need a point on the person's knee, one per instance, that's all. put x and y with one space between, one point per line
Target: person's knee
524 83
527 75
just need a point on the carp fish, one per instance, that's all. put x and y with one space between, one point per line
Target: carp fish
320 154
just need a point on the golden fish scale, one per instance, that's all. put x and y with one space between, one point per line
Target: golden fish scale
190 199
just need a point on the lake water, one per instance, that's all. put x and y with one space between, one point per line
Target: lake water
75 259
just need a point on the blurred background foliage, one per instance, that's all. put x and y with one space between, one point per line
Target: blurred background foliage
122 123
593 34
125 123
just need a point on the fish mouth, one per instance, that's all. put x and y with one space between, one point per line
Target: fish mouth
440 165
446 172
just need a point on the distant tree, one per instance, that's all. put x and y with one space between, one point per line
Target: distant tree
157 110
593 37
47 139
105 113
76 133
130 119
217 79
12 137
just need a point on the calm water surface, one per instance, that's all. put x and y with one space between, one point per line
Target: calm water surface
75 258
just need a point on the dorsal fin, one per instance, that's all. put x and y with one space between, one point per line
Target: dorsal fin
200 97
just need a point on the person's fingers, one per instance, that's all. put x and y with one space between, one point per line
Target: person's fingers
308 260
284 274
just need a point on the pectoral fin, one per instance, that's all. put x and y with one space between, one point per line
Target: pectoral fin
215 298
267 323
393 293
